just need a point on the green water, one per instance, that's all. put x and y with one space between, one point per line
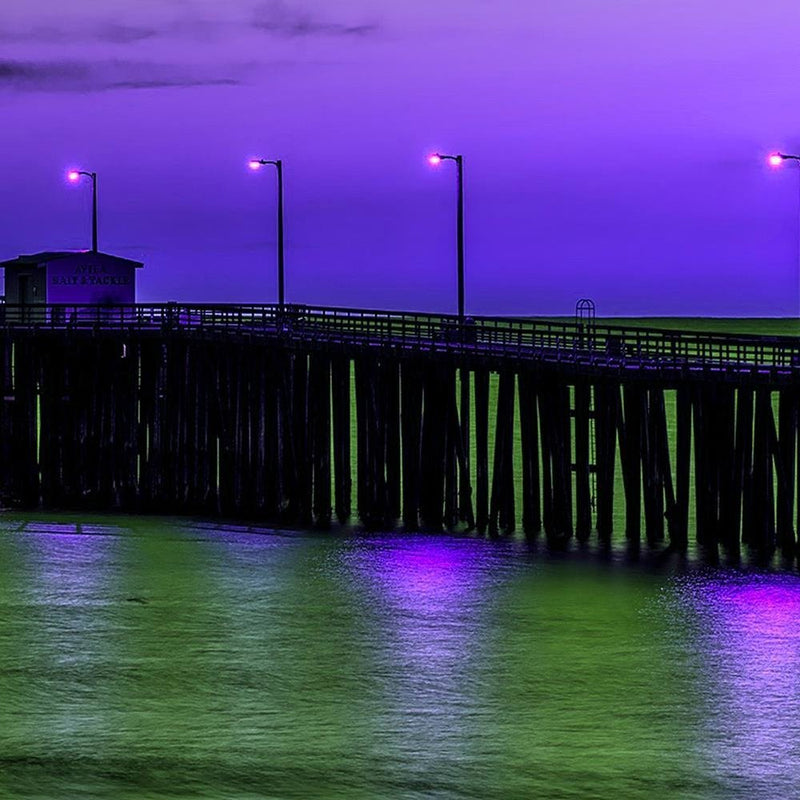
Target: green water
166 659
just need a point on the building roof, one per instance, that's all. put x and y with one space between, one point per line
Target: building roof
48 256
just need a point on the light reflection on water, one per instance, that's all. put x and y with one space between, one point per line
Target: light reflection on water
748 638
147 658
64 581
431 601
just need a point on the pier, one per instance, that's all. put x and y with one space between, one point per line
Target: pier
307 415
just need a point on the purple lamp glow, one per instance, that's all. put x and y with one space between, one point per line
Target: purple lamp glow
73 175
775 159
254 164
434 159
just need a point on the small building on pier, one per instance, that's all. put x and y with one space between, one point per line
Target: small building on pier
84 277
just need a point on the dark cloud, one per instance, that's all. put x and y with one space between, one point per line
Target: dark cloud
276 17
176 83
73 76
13 70
279 18
117 33
21 74
111 33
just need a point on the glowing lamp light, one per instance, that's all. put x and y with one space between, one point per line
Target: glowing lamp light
254 164
775 159
434 159
73 175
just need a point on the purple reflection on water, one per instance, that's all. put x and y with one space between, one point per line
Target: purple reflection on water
73 563
429 599
749 664
431 591
428 579
70 627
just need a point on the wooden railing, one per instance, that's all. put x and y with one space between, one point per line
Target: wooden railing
598 345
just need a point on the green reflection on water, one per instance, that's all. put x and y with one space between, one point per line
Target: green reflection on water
592 680
147 658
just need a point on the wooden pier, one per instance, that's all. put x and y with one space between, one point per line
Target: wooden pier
309 415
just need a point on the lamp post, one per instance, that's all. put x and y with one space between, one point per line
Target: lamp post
74 176
776 160
435 159
464 489
256 164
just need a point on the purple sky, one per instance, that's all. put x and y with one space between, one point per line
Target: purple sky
613 150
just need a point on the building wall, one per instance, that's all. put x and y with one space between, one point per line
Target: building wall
90 279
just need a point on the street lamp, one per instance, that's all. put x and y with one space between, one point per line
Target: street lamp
74 175
465 510
776 160
255 164
434 160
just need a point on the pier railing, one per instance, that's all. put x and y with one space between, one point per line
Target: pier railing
527 339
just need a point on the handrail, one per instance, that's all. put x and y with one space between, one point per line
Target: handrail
603 345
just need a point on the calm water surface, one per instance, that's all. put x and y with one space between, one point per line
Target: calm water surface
160 659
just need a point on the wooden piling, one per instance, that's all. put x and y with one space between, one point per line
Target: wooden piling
762 536
390 378
465 509
630 437
529 443
743 461
723 455
411 431
583 493
481 450
320 436
434 447
340 408
606 414
501 507
554 425
785 461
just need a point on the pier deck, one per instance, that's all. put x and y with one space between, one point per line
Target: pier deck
247 411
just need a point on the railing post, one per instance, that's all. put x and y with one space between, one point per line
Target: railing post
169 320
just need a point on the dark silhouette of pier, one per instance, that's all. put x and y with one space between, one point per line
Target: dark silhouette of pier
303 415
